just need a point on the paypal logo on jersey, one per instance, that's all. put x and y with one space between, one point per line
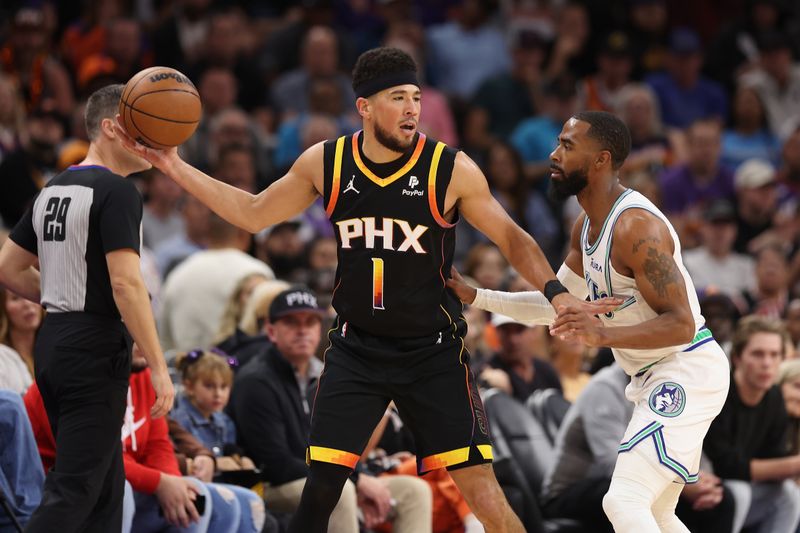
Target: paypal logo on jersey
413 181
366 228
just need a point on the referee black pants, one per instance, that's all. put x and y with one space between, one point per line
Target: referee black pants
82 365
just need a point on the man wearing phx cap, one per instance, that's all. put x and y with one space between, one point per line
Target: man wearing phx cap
394 196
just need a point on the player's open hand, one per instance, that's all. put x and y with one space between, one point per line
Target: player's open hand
165 393
161 159
573 323
465 292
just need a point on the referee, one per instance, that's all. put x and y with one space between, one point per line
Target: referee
85 230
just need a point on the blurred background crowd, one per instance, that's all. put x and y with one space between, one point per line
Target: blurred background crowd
710 90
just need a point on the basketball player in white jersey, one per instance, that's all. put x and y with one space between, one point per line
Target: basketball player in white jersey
623 246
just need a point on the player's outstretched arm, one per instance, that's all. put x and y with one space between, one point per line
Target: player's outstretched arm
643 245
282 200
482 210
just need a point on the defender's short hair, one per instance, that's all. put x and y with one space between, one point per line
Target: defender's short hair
610 132
103 103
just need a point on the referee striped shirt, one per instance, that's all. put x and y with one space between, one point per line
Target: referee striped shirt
81 215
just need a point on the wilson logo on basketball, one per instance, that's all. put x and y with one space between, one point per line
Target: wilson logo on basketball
166 75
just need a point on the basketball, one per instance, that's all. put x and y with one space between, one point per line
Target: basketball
160 107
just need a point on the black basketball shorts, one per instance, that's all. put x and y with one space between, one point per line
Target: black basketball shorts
429 380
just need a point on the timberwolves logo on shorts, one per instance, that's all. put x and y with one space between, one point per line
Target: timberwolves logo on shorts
668 400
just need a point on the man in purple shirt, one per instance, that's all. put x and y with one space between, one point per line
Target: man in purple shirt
702 178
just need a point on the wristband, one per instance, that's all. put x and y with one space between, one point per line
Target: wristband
552 289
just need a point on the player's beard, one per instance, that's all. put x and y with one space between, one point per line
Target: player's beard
392 143
570 184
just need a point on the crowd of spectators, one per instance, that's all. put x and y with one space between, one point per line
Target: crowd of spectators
709 90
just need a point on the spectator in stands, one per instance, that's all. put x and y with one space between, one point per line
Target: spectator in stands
516 369
475 339
685 95
770 296
225 47
649 32
163 497
281 247
179 40
486 265
569 358
250 337
320 56
734 50
207 377
24 172
27 60
748 137
218 88
756 201
793 324
233 127
653 147
12 117
121 58
721 314
601 91
687 188
537 136
193 238
21 479
527 206
586 451
777 82
714 265
789 171
20 320
196 292
270 406
234 309
236 166
571 53
789 382
466 51
161 219
511 96
745 442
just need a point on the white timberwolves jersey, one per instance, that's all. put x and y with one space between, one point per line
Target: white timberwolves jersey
604 281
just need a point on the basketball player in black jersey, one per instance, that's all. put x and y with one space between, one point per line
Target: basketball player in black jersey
394 197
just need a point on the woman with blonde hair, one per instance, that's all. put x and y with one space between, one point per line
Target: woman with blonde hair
247 338
236 304
789 382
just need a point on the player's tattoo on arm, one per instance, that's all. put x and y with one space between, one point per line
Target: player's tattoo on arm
660 270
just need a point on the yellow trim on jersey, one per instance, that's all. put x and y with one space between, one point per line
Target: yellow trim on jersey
383 182
336 183
437 154
486 451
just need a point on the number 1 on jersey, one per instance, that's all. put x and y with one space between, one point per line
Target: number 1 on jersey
377 283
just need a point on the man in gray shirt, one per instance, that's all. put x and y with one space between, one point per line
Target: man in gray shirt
586 452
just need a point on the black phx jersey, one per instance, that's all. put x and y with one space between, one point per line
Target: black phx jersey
395 247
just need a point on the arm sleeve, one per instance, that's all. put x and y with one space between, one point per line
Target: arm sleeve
23 233
530 307
262 433
121 217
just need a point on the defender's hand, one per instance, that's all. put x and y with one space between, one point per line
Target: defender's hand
572 323
596 307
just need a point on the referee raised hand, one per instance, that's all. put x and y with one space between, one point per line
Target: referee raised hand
84 229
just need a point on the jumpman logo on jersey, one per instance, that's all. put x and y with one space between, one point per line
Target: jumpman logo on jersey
351 187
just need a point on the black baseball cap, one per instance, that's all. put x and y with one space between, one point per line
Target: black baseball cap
294 300
720 211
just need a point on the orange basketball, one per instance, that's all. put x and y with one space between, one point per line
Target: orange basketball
160 107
